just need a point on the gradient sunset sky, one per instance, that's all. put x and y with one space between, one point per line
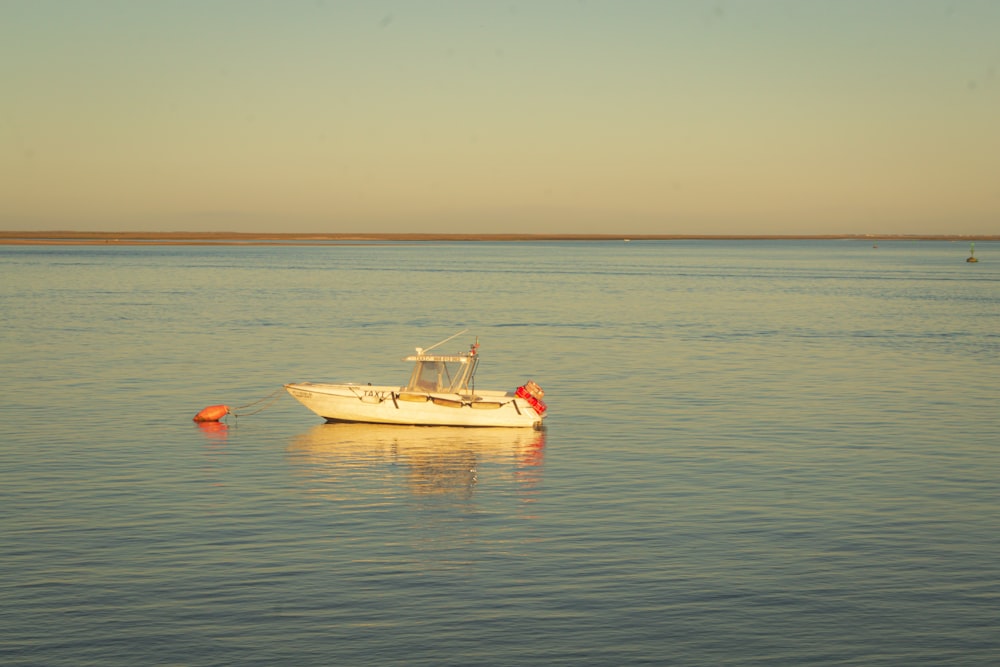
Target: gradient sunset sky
582 116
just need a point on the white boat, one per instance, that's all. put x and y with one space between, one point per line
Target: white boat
441 392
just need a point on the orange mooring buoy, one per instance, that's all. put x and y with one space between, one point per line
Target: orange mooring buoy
212 413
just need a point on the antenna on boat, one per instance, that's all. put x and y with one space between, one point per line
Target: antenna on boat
421 350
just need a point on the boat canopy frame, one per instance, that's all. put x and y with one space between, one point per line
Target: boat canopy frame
442 373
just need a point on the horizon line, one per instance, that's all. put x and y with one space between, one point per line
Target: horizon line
65 237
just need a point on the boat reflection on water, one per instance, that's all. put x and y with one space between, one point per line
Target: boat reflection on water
371 459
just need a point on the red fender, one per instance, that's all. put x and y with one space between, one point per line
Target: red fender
212 413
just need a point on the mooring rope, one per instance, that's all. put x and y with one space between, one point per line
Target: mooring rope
270 398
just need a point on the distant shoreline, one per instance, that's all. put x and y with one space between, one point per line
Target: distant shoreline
257 239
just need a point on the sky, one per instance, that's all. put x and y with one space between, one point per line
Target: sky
547 116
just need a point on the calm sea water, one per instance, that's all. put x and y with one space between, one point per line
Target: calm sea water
759 453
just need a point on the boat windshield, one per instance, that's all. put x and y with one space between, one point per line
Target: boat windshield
440 375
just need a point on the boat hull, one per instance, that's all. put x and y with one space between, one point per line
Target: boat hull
394 405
